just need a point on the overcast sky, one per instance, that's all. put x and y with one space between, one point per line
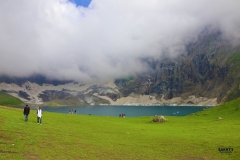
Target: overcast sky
107 39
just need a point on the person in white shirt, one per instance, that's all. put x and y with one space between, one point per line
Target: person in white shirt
39 115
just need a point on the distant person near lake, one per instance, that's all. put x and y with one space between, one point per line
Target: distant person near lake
39 115
26 112
122 115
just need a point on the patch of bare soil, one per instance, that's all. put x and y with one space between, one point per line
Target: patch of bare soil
193 158
11 152
30 155
3 136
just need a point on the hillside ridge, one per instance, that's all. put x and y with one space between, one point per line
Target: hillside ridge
207 74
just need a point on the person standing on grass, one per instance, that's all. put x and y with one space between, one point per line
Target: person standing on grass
26 112
39 115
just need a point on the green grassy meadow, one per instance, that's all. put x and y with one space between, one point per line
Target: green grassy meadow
6 99
194 137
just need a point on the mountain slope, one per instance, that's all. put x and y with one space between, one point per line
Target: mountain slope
6 99
209 69
207 74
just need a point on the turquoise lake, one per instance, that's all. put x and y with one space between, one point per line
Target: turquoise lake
129 111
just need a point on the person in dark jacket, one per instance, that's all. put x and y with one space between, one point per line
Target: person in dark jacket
26 112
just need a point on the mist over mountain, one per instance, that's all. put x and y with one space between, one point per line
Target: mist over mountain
107 39
207 74
118 52
209 69
39 79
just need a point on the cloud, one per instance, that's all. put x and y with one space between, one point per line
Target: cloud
106 40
